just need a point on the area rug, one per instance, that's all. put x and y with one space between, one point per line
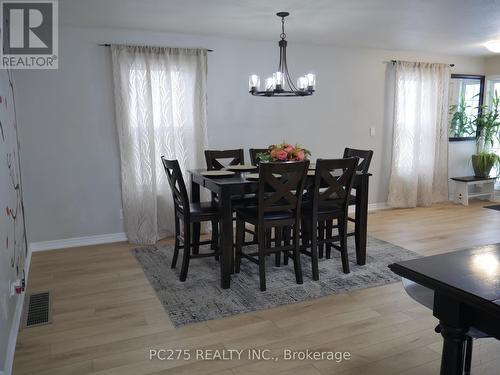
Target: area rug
494 207
200 297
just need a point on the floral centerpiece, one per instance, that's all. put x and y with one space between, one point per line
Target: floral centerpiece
284 152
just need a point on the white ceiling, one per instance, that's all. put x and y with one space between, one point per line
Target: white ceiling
447 26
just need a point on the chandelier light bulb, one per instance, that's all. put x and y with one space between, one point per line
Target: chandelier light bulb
278 79
254 82
311 81
493 45
302 83
270 84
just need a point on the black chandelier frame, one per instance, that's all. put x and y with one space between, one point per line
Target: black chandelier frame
288 89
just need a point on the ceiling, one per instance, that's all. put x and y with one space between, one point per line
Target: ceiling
446 26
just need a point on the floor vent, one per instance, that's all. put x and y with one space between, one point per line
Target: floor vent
39 309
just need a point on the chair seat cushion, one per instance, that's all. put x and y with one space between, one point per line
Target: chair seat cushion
203 209
244 200
332 210
241 200
250 214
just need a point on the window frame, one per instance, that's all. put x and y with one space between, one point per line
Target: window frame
482 81
490 83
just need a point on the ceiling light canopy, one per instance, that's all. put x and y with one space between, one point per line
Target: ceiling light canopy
281 84
493 45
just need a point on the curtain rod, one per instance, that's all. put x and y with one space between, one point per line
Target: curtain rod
395 61
109 45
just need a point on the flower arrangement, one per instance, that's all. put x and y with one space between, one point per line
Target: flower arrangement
284 152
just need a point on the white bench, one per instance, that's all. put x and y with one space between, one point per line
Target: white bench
485 187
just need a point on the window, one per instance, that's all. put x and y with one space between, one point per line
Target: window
465 99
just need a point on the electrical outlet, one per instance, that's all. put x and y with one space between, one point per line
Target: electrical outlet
16 287
372 132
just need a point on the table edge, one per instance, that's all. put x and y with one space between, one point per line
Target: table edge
438 286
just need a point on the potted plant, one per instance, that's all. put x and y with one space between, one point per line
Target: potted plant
284 152
460 123
488 126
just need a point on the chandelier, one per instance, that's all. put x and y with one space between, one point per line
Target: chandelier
281 84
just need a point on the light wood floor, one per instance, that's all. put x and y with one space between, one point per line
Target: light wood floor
106 315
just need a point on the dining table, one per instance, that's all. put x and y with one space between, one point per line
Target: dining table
466 286
228 187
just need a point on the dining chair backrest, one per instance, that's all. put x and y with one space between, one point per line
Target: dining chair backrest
214 158
254 152
333 181
365 157
177 185
281 186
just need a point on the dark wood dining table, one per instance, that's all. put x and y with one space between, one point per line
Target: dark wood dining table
236 185
466 287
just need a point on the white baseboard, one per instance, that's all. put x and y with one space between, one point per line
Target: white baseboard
372 207
78 241
16 322
378 206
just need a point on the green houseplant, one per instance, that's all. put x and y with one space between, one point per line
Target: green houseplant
488 127
460 123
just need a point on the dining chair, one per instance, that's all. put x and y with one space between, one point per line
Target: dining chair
214 158
280 190
425 297
330 193
190 215
254 152
254 160
365 159
219 159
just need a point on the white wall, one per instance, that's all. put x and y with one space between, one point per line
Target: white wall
71 161
492 65
14 259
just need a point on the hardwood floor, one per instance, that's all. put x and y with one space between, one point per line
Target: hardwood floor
106 316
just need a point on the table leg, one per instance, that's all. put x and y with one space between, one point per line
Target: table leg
465 190
461 193
456 194
195 191
361 220
226 239
452 359
491 190
453 329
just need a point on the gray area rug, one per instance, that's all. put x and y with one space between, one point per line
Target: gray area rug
200 297
494 207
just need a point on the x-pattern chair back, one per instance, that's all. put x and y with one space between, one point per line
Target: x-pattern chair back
214 158
281 185
177 185
365 157
333 182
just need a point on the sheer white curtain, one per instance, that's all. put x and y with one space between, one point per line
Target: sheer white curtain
160 100
419 174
